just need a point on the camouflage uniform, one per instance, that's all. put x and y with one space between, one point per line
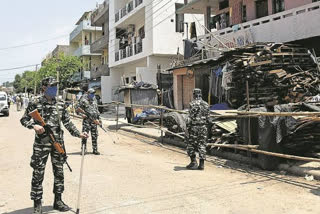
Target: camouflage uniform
90 107
197 128
42 146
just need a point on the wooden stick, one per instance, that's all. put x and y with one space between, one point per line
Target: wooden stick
175 134
241 114
233 146
292 157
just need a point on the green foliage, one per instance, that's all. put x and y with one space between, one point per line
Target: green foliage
67 66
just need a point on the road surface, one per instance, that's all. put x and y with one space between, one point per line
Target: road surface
139 175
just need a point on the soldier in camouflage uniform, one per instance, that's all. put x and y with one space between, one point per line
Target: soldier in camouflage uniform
197 131
89 104
52 111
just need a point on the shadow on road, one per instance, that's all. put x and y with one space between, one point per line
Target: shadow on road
180 168
316 191
268 175
45 209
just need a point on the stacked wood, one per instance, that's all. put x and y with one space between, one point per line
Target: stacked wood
305 139
277 74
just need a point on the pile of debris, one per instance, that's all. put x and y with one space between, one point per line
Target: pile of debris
276 73
138 85
305 137
175 122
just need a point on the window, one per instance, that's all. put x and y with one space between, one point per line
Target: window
134 78
315 1
261 8
127 80
223 4
244 13
278 6
179 19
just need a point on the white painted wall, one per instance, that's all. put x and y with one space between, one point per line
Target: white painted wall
106 89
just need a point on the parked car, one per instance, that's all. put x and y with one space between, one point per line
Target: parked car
4 108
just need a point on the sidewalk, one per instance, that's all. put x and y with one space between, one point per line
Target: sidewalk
305 169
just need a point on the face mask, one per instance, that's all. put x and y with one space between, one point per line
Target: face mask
51 91
91 96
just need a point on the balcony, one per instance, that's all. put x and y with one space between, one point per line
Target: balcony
100 44
131 6
84 25
84 51
129 51
287 26
100 14
102 70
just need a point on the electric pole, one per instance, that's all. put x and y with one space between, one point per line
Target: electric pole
35 82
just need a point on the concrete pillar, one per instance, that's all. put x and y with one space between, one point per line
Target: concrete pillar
207 16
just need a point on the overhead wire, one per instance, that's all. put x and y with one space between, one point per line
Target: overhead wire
33 43
16 68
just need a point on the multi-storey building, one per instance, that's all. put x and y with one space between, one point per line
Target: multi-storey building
239 22
80 40
100 18
61 49
145 36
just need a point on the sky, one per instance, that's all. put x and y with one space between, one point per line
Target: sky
25 22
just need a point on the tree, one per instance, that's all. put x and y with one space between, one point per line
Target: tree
67 66
16 83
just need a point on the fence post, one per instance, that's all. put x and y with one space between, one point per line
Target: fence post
161 117
117 127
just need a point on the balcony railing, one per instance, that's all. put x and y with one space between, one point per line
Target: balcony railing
83 50
263 28
84 25
129 51
100 44
127 9
100 11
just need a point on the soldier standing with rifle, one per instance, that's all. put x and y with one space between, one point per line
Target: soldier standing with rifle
197 131
51 112
88 109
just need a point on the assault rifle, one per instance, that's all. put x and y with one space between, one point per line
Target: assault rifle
36 116
95 121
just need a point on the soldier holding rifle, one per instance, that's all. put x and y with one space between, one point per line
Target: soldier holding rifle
51 113
88 108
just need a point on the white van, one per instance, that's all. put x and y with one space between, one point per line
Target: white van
4 109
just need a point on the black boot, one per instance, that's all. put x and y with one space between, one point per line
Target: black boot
37 207
193 164
59 204
201 165
95 152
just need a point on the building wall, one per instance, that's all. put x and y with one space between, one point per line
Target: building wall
236 16
182 88
289 4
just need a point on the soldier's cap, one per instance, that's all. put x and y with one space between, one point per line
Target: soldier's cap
91 91
197 91
49 81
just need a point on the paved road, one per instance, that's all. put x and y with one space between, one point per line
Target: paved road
137 175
